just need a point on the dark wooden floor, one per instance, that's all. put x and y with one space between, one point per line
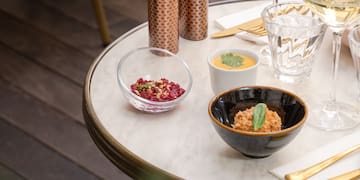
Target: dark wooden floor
46 47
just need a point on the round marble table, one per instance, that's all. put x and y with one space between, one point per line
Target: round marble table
182 143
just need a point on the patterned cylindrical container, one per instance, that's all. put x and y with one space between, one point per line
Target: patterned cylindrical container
163 16
193 19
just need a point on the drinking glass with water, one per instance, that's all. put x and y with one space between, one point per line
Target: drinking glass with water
295 35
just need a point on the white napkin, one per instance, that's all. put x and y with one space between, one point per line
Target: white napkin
348 163
231 20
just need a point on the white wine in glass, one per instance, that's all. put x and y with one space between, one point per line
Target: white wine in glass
337 14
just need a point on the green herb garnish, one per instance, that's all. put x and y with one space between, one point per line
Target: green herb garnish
259 116
231 60
145 86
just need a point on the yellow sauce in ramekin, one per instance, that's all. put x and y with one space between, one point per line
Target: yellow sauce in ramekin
248 61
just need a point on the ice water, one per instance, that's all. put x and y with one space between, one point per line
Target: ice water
293 40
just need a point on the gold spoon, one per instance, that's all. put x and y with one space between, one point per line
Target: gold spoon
308 172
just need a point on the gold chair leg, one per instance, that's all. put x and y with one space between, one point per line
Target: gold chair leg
101 20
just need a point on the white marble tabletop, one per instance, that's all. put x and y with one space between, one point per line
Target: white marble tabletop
183 141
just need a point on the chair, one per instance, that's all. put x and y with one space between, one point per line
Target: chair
101 21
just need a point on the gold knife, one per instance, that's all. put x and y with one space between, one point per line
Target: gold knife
238 28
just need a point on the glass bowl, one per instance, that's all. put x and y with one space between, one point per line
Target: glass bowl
151 63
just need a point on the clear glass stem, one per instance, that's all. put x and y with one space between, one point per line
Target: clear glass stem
275 2
336 52
357 68
358 80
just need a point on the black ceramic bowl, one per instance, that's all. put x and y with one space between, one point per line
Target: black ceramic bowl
292 110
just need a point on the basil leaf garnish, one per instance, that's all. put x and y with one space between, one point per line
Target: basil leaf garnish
259 116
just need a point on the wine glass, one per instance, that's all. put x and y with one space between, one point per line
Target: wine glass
354 44
265 50
337 14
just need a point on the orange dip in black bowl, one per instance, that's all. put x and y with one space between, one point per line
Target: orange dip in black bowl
291 109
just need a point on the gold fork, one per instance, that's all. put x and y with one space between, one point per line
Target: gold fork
260 28
233 30
256 26
257 22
